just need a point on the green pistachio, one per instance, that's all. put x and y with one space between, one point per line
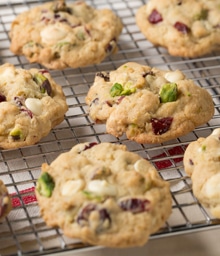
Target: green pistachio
133 130
91 196
116 90
168 92
202 15
128 91
61 44
203 148
16 134
80 35
39 78
45 185
43 82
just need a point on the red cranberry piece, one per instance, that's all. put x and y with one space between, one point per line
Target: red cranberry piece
120 99
104 216
90 145
162 125
191 162
155 17
135 205
2 98
83 216
182 27
27 111
43 71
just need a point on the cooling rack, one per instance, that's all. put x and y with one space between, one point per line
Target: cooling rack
23 232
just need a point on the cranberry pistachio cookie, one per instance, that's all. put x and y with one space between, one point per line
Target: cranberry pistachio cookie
59 35
148 104
31 104
5 201
103 195
186 28
202 164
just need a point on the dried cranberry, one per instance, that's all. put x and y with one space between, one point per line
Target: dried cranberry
27 111
103 75
135 205
83 216
90 145
191 162
120 99
155 17
43 71
182 27
2 98
104 216
162 125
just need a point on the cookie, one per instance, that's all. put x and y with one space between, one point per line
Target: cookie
202 163
31 104
59 35
148 104
186 28
5 201
103 195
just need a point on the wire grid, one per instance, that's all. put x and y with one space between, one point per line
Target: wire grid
23 232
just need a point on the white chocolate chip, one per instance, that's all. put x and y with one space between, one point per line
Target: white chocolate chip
71 187
102 187
142 166
216 132
53 34
212 186
34 105
7 75
174 76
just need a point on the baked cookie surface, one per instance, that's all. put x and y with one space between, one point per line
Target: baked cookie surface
31 104
59 35
5 201
186 28
148 104
202 164
103 195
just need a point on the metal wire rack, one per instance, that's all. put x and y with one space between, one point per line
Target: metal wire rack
23 232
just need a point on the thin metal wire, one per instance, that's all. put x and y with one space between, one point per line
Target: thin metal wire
20 168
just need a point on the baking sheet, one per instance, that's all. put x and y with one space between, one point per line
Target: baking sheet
24 232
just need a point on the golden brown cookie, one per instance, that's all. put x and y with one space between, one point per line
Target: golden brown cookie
147 104
186 28
59 35
103 195
202 164
5 201
31 104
